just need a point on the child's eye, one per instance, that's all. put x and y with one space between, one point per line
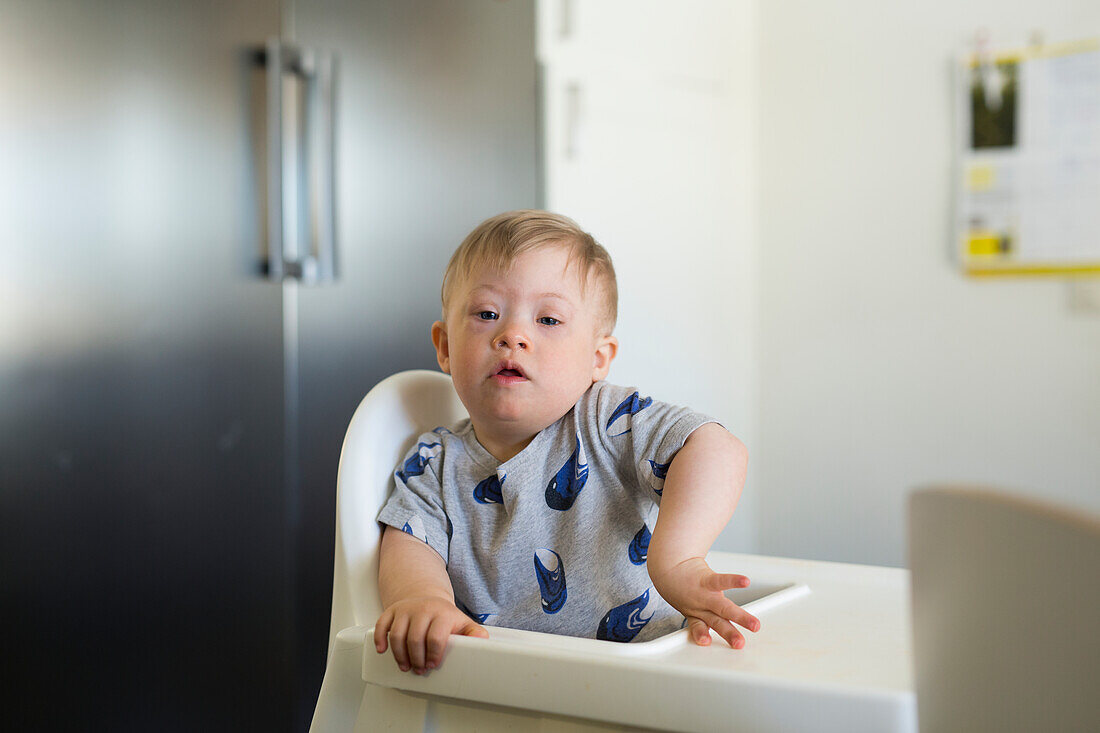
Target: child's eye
549 321
487 315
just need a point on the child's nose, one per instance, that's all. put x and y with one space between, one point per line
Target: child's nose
511 337
512 342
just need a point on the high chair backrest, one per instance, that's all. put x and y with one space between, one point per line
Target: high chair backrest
383 428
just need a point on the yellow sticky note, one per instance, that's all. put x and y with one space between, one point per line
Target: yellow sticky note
983 243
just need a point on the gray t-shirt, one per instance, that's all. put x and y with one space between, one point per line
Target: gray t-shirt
554 539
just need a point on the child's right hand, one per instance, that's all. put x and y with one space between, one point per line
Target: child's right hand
417 628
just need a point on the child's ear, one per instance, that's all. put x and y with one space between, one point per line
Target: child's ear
606 349
442 349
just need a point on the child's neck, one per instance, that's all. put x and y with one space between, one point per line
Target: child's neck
502 446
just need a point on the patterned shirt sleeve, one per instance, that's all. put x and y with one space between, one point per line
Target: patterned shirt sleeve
643 434
416 504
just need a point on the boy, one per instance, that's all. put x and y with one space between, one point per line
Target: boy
536 512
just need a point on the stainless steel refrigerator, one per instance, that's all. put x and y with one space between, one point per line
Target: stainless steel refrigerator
173 388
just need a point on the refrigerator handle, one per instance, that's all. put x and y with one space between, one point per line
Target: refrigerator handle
316 148
273 60
324 81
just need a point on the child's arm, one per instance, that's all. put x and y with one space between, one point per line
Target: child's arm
701 489
419 601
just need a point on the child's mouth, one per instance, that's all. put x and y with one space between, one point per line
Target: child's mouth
509 375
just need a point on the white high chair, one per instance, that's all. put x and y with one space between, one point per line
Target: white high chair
836 659
383 428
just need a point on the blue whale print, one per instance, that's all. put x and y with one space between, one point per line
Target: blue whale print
632 405
551 576
639 546
563 489
418 461
489 491
622 623
660 470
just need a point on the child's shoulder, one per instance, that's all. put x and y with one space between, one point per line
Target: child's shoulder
603 400
606 390
616 410
603 395
429 449
441 438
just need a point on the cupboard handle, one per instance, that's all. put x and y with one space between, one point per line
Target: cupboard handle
565 19
572 119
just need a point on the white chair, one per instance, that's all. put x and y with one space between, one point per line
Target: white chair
1006 613
383 428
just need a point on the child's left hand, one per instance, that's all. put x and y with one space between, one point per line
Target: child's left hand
695 590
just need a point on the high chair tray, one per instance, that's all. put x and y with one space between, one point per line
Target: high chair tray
833 654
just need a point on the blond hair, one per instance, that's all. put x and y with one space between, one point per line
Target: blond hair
499 240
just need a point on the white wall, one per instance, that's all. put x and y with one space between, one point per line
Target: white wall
881 367
649 115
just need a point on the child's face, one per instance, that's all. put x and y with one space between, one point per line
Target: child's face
522 346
